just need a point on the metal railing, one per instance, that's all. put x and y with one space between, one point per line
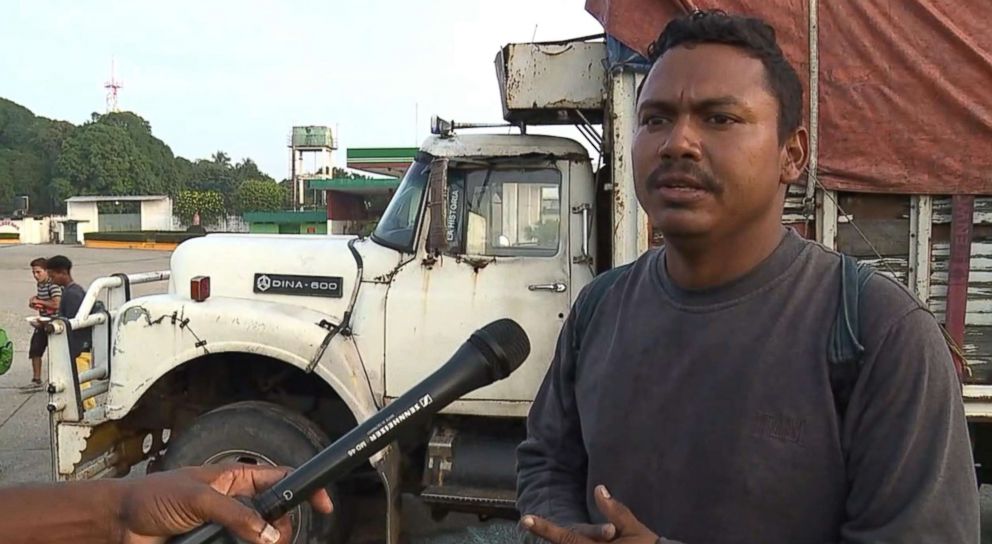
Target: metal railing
68 388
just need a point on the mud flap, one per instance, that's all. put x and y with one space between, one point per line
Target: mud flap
84 452
388 467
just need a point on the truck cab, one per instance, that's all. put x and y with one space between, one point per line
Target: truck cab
505 235
266 341
266 348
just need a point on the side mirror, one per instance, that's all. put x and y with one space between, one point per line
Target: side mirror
437 184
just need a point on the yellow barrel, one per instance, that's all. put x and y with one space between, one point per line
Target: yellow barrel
83 363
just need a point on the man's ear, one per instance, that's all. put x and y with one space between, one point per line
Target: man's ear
795 155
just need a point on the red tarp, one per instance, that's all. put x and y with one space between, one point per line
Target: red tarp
905 85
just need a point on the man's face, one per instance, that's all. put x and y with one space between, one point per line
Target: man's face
59 277
39 273
706 155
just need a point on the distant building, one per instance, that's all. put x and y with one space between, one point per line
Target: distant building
353 205
114 214
287 222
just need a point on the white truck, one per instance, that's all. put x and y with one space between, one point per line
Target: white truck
266 348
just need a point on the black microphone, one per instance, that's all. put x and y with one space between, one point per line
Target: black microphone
489 355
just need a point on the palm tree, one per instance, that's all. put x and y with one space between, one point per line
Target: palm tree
221 158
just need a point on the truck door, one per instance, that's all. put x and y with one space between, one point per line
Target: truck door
507 255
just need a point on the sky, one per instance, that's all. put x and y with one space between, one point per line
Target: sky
237 75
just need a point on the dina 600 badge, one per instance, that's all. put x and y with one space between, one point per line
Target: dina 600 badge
301 286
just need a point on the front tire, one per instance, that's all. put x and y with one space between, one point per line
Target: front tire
263 433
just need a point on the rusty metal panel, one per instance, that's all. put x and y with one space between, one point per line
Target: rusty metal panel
942 210
876 230
548 83
959 266
794 214
795 209
980 277
630 233
978 318
883 224
979 285
896 267
888 237
920 241
978 350
978 402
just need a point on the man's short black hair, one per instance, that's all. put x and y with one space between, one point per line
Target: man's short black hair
59 263
756 38
40 262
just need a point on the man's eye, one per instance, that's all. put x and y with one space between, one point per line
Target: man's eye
720 119
655 120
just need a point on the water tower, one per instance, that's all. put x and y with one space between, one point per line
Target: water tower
317 142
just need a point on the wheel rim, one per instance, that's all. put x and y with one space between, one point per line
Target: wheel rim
254 458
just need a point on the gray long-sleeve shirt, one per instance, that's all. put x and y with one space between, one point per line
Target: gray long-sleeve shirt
710 413
72 298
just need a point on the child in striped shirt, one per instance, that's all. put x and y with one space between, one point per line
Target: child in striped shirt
46 301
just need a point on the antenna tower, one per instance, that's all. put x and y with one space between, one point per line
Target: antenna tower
112 87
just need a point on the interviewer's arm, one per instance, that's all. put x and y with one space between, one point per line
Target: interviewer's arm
144 510
81 512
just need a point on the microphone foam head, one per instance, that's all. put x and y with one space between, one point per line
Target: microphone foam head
509 344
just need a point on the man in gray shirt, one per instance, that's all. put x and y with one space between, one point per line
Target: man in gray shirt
698 392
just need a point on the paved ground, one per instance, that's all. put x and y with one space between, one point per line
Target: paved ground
25 454
24 434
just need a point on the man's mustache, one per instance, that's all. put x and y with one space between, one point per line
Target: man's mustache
684 168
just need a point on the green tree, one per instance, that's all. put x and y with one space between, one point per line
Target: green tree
221 158
163 166
101 159
209 204
346 174
208 175
8 158
113 153
338 173
247 170
50 137
21 172
17 125
29 146
60 188
259 195
220 175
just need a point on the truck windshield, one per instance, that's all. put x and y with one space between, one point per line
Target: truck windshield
398 227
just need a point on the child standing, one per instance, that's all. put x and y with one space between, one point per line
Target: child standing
46 301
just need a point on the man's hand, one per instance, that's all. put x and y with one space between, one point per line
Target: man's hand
176 502
623 527
596 533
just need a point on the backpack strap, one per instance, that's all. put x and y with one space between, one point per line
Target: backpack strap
588 301
844 350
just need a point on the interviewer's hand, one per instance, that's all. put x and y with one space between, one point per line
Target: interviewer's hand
176 502
623 527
